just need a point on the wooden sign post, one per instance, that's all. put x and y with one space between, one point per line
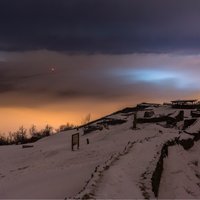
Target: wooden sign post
135 121
75 140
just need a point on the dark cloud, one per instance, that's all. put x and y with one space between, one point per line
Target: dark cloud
100 26
26 78
6 88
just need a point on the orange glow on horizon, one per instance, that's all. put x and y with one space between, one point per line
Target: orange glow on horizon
63 112
54 115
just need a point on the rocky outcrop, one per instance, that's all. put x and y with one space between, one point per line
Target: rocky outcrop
157 174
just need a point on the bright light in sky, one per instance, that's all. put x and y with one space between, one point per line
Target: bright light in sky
152 75
147 75
178 79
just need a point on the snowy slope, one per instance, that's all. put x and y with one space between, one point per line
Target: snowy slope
194 128
181 177
118 162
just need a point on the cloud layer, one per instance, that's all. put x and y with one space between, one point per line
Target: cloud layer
27 78
100 26
73 57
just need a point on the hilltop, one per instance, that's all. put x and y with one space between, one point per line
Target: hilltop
158 158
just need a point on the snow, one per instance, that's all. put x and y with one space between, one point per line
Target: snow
181 177
194 128
118 163
128 170
43 171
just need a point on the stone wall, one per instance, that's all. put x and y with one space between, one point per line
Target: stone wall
157 174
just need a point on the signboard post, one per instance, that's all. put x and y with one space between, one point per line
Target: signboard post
75 140
135 121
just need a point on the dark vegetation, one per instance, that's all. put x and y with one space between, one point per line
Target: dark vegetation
24 136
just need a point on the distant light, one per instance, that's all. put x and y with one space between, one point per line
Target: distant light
53 69
147 75
160 77
153 75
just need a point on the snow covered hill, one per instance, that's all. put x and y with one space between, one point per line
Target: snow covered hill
157 159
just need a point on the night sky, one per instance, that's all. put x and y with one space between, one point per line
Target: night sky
63 59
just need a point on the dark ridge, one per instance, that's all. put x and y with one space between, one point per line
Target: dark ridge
125 110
